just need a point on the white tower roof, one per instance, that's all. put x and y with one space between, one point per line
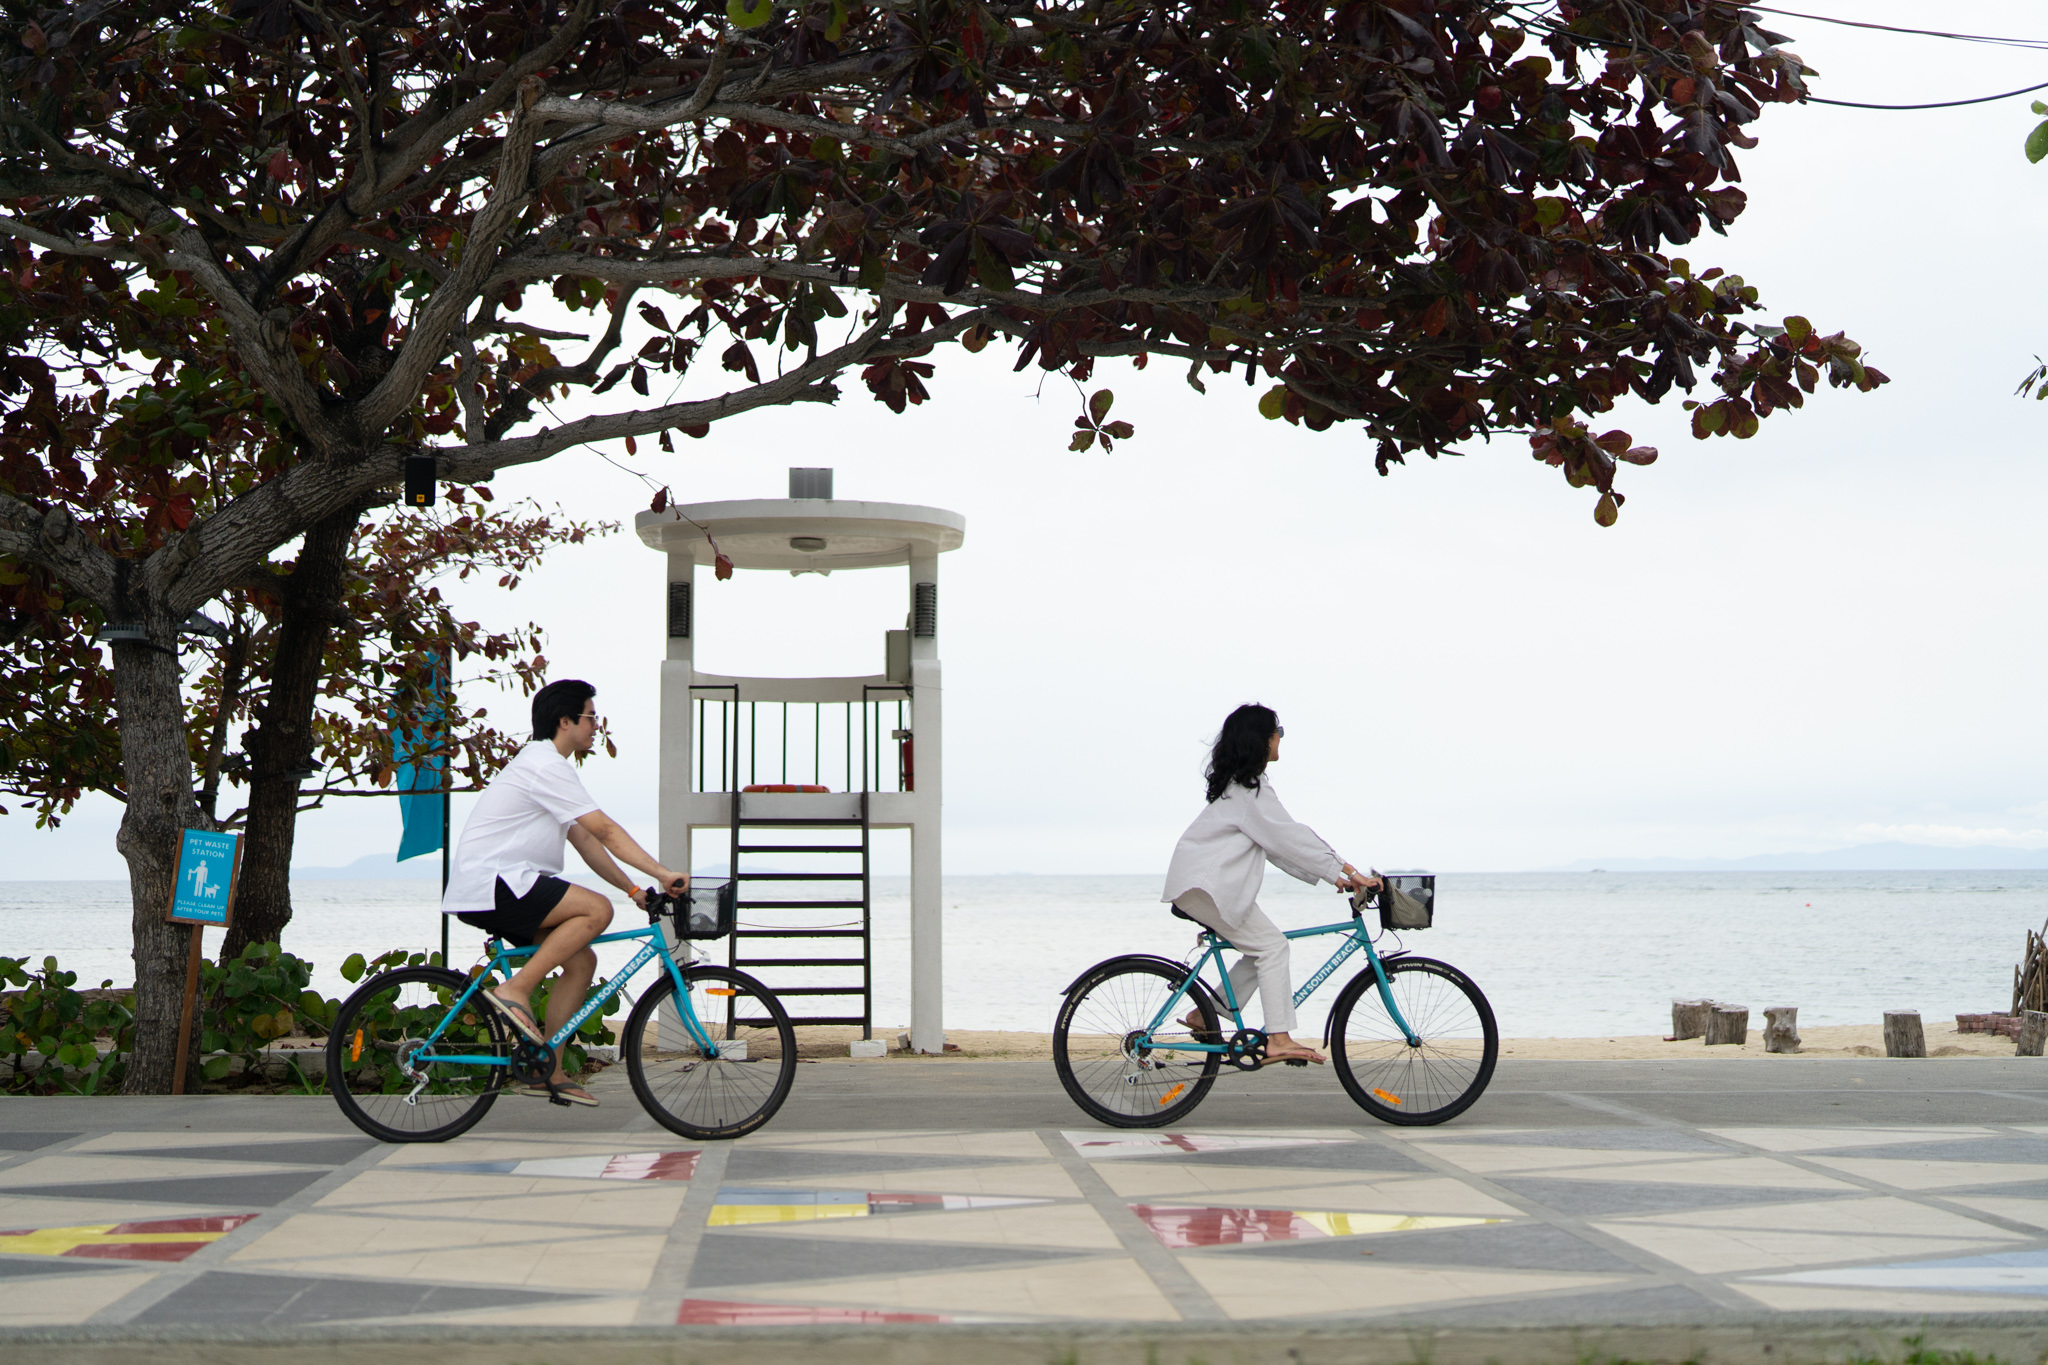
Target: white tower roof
756 533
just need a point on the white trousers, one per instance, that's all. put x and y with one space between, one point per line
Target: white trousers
1264 969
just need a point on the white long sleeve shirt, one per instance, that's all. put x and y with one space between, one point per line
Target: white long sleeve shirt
1226 849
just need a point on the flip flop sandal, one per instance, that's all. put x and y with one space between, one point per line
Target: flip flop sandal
556 1092
518 1016
568 1092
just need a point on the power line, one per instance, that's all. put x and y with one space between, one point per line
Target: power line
2036 44
1939 104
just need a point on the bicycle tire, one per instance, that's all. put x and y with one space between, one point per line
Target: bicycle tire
1115 1000
1429 1084
712 1098
384 1015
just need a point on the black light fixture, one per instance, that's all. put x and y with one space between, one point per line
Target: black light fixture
419 480
122 633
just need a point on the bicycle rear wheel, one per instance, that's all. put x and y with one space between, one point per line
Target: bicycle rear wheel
1414 1085
371 1070
686 1090
1113 1079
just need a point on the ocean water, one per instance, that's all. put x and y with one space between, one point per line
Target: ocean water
1558 954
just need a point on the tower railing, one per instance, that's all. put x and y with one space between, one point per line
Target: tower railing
847 746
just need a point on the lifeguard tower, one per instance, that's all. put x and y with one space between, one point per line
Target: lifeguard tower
801 770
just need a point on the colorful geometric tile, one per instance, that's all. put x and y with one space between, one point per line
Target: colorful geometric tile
718 1313
1199 1227
2001 1272
162 1239
738 1206
1165 1144
625 1166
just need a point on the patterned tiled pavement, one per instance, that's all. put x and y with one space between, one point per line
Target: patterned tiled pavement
1608 1192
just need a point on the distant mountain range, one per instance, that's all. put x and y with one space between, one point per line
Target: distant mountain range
1863 858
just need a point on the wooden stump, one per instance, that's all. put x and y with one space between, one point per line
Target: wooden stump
1781 1028
1903 1036
1689 1018
2033 1033
1727 1024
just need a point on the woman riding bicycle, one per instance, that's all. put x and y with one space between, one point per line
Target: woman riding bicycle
1219 864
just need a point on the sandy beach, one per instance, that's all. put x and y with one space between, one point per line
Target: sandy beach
1851 1040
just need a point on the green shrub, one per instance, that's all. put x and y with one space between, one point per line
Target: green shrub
248 1004
44 1012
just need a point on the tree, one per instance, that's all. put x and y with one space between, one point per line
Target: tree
378 215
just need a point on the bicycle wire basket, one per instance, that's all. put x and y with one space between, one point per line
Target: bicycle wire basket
1407 900
706 910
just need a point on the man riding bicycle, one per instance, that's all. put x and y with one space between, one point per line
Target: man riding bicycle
506 873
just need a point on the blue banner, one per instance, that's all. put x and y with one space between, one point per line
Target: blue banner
206 878
422 771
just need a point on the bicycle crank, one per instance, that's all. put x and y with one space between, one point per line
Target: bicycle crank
1247 1049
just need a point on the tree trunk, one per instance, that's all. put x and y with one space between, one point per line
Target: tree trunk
2033 1033
282 741
1903 1036
157 766
1728 1024
1689 1018
1781 1028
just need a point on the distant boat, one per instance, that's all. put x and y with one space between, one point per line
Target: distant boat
1599 869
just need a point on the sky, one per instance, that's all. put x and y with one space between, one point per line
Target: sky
1825 636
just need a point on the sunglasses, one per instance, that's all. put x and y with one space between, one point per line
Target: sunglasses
1279 732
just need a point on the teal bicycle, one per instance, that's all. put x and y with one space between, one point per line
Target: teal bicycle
1413 1039
414 1057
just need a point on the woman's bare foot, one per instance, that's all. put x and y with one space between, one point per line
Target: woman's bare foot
1281 1047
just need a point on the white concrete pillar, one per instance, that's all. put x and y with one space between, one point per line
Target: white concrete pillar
927 895
678 717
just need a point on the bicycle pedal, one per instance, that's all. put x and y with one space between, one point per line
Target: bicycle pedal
557 1099
1295 1061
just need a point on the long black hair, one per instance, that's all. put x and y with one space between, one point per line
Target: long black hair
1241 747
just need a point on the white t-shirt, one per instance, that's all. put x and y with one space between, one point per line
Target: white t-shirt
518 829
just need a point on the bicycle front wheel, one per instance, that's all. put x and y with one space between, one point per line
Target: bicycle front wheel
684 1088
1433 1080
1106 1071
373 1067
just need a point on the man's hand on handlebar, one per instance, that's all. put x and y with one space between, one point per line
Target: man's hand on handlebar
1354 881
677 885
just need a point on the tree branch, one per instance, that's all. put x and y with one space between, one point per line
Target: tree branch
53 540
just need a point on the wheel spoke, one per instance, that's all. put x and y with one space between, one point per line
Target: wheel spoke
1108 1070
1435 1079
689 1089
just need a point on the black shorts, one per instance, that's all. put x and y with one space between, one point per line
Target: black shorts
517 918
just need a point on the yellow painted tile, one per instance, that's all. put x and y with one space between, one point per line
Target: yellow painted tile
1933 1175
18 1211
1107 1289
1794 1298
746 1215
1255 1287
1046 1225
61 1300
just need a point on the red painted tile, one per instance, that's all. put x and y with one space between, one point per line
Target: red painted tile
223 1222
1187 1227
136 1251
718 1313
651 1166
